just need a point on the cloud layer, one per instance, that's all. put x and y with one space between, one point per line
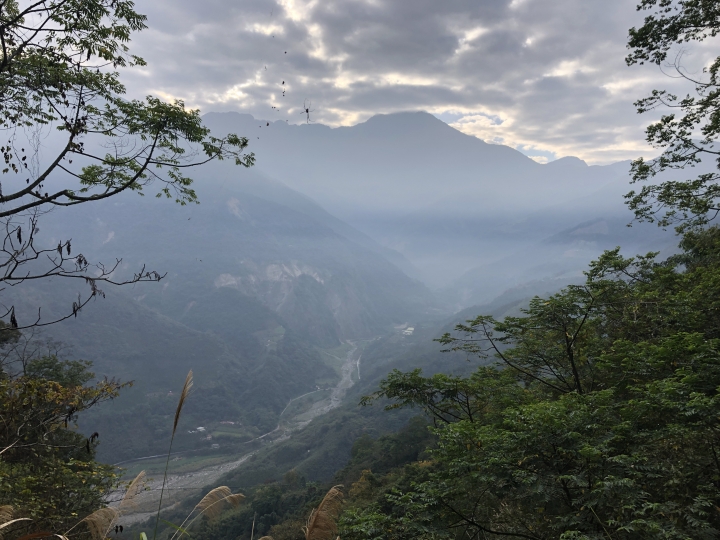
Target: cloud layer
547 77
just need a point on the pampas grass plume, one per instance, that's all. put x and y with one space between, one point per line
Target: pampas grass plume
128 500
6 513
6 518
183 396
321 522
100 521
210 503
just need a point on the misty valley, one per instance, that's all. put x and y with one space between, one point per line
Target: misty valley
354 326
268 296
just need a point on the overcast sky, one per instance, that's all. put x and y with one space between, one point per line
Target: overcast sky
547 77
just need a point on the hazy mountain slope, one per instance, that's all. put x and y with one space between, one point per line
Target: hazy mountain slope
254 182
399 163
248 379
258 277
256 237
590 225
447 201
474 218
389 163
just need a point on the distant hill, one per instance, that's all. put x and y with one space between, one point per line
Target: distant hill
259 279
256 237
448 202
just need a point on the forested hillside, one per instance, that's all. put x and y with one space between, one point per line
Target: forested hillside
259 280
230 326
590 412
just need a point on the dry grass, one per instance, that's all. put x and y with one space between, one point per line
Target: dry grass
99 522
321 522
183 396
128 500
6 519
211 505
6 513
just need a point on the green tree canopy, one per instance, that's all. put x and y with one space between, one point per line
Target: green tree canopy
47 468
688 132
58 73
600 419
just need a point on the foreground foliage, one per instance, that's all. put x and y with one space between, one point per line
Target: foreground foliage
47 469
601 419
59 81
688 131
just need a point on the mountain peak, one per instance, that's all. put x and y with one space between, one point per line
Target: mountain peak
403 122
416 117
569 162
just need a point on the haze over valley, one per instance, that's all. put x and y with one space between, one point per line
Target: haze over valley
359 270
335 236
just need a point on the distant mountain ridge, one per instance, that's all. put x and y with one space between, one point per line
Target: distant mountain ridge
447 201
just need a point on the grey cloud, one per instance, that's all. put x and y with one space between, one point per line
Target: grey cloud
552 70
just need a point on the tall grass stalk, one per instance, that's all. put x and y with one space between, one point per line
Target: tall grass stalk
321 524
128 500
183 396
98 524
211 506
